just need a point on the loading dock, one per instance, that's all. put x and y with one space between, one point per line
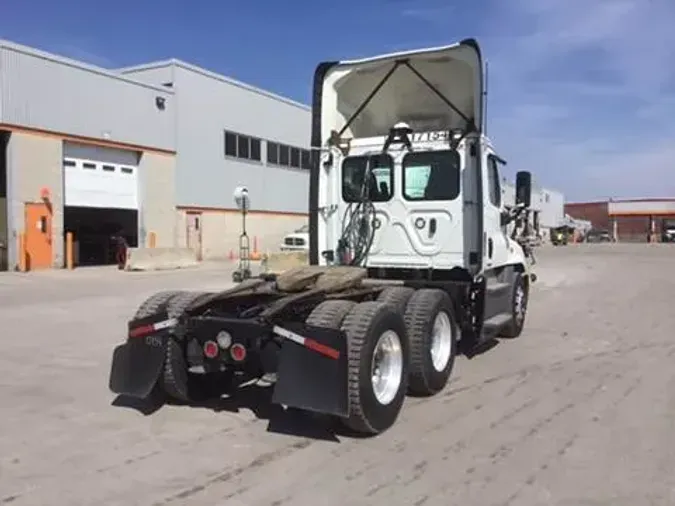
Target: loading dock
101 201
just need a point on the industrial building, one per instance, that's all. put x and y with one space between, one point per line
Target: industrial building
101 153
638 220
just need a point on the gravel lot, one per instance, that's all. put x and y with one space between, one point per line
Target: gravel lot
580 410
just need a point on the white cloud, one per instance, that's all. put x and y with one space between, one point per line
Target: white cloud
583 93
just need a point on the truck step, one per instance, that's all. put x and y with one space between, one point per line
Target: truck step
493 325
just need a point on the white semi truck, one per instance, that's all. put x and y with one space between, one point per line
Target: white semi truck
409 256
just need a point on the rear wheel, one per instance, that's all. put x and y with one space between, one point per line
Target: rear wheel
154 304
330 313
396 297
175 382
377 348
433 333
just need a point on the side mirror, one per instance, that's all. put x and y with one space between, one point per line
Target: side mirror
524 188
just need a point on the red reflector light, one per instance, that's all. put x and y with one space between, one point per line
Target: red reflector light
329 352
142 331
211 349
238 352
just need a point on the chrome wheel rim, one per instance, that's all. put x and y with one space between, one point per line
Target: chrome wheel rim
441 341
387 367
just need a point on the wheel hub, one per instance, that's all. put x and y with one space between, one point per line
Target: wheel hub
387 367
441 341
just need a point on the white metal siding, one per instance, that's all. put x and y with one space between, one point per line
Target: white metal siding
207 107
47 92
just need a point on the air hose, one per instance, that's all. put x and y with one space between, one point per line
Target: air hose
358 225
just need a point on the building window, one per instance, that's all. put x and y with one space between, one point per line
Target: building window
284 155
272 153
230 144
306 159
295 158
288 156
255 149
109 168
90 166
242 146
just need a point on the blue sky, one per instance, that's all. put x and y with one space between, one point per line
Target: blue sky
581 93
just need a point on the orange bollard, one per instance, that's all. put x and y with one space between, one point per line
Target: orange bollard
21 249
152 239
69 250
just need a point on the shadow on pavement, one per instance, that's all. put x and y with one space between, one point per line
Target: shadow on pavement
258 400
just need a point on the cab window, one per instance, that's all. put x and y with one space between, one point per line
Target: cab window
431 175
377 187
494 187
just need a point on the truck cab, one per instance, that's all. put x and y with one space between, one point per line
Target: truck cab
400 143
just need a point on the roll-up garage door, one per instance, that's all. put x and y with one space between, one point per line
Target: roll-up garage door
100 177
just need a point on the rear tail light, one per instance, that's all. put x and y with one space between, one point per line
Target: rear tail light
238 352
211 349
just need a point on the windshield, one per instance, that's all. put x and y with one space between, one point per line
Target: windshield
380 183
431 175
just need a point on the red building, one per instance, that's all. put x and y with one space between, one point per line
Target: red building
626 220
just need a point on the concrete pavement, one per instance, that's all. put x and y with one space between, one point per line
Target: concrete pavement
579 410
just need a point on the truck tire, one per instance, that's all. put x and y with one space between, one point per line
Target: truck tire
377 347
330 313
176 382
396 297
433 333
154 304
519 298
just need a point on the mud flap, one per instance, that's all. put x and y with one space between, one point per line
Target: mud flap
310 380
138 363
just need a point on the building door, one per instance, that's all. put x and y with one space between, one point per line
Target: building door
194 233
38 227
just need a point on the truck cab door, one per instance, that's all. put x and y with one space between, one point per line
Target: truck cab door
495 250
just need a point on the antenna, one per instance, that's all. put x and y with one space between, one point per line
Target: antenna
485 99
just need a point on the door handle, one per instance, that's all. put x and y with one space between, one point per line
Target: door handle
432 226
490 246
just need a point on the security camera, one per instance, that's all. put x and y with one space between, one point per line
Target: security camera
241 197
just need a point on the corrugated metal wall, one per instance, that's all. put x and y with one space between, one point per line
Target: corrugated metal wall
205 177
47 92
155 75
208 105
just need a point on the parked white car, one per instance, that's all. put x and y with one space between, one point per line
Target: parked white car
296 241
